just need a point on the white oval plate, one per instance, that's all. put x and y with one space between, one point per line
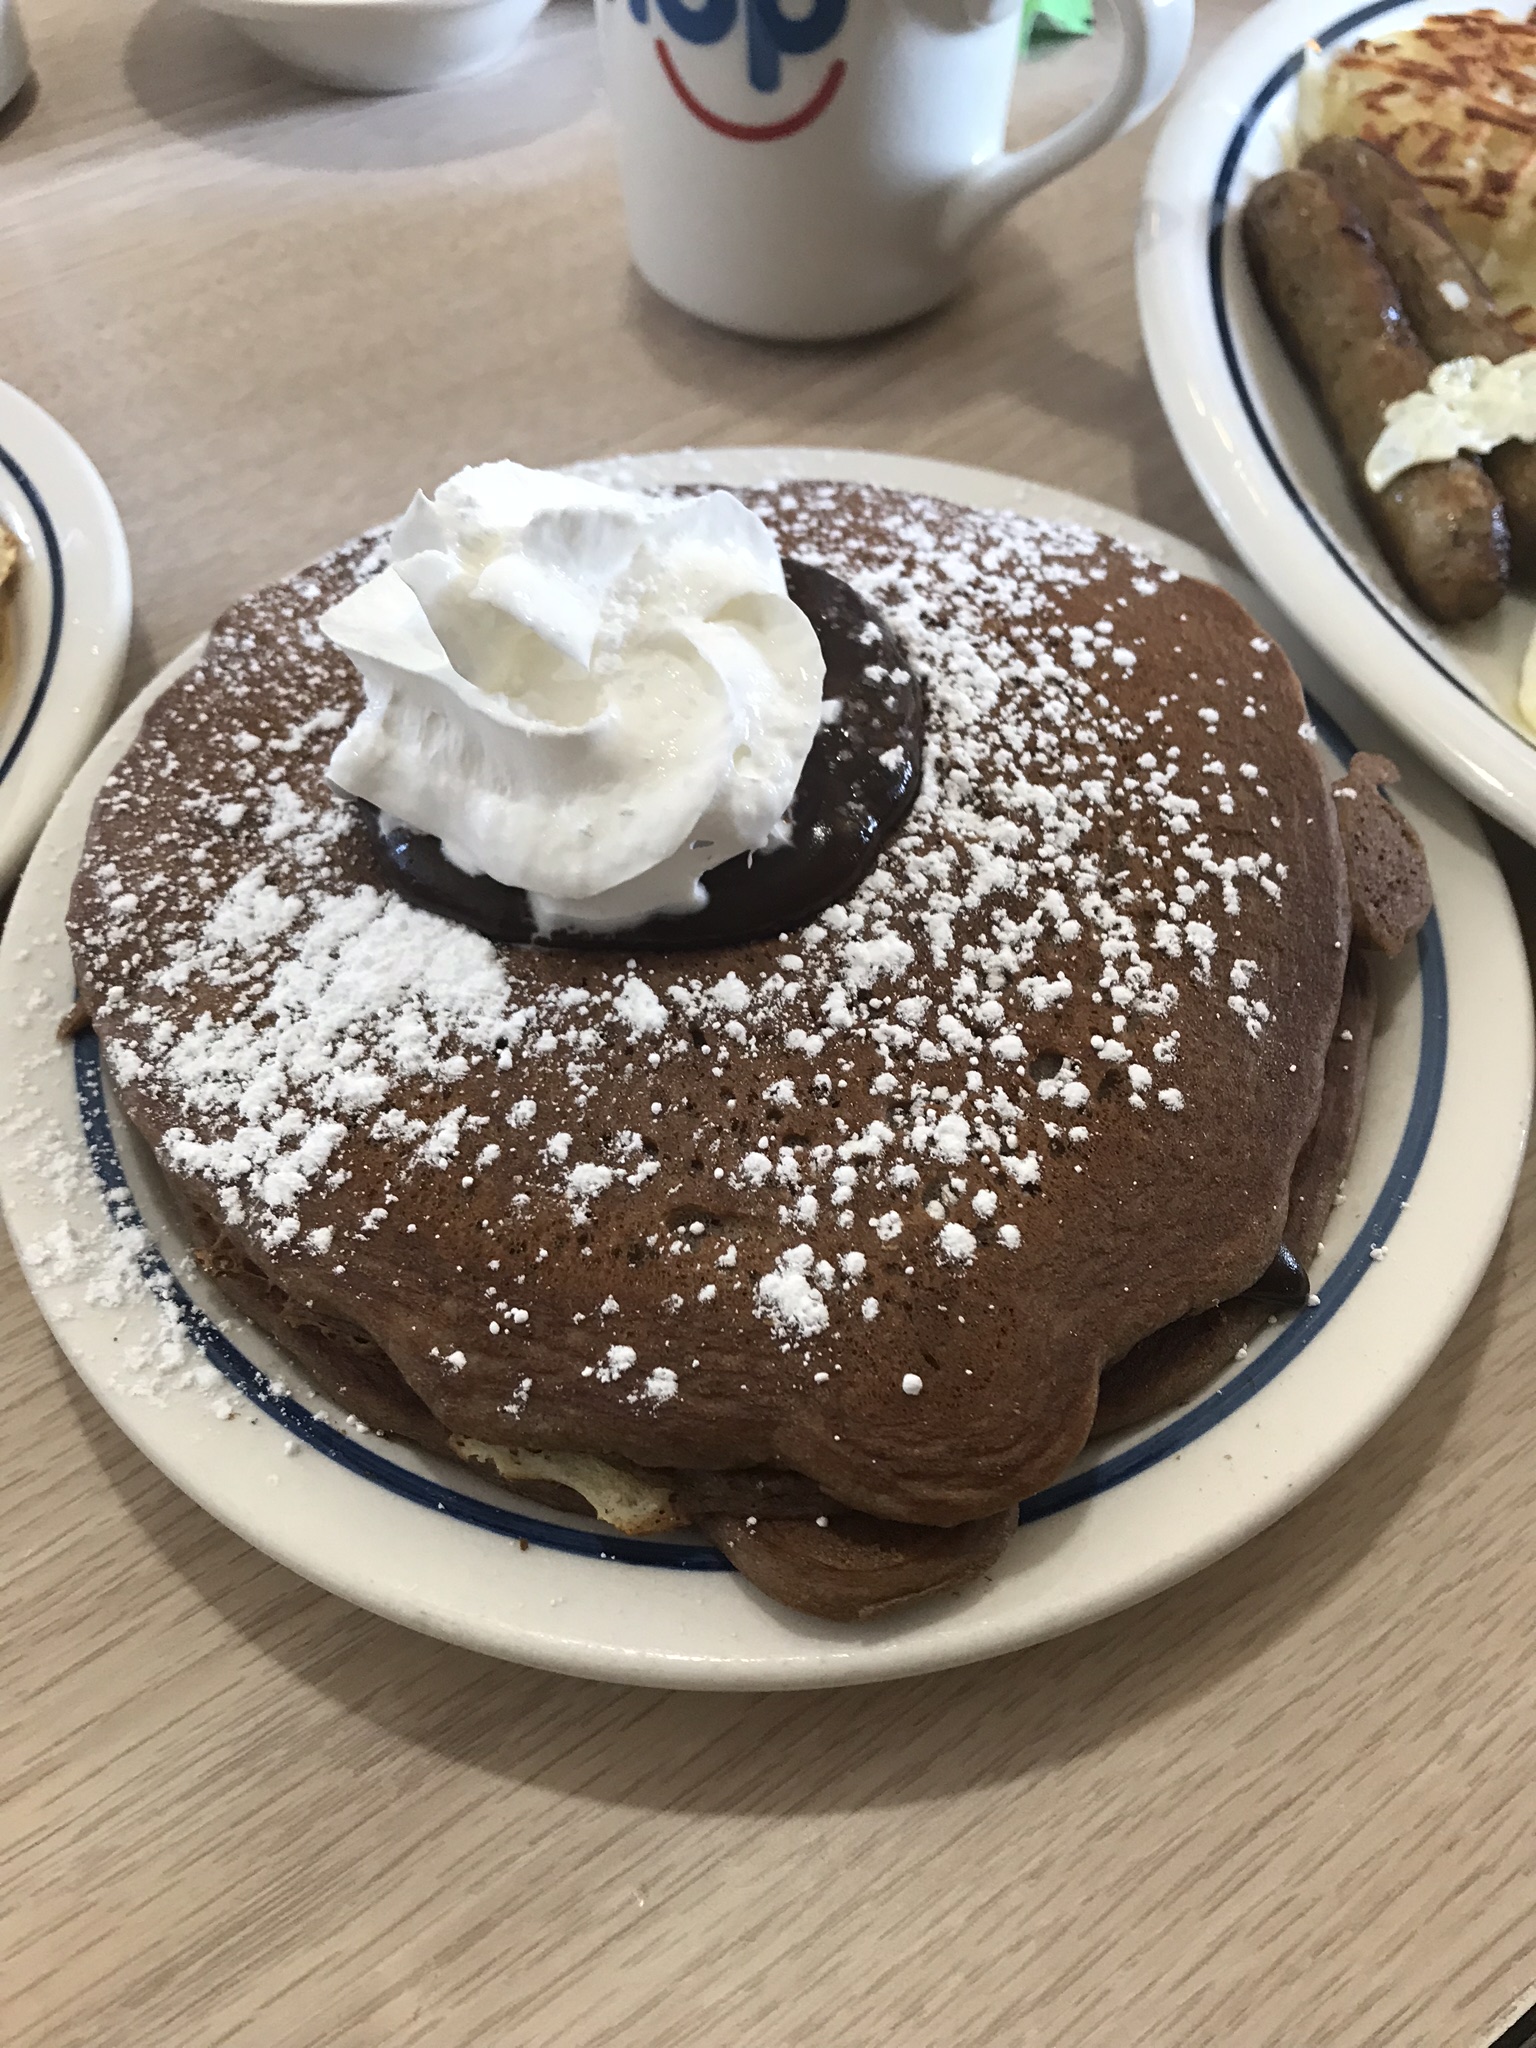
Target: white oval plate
71 618
430 1546
1256 447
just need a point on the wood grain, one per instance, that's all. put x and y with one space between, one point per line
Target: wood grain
1287 1804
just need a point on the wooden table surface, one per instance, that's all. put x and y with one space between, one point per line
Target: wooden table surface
1287 1805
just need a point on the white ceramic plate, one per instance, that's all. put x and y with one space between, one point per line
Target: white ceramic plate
73 606
1445 1123
1255 445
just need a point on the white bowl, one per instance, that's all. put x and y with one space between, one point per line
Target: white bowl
384 45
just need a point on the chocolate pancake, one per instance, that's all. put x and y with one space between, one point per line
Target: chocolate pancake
1389 894
773 1524
873 1203
1390 899
1172 1365
850 1567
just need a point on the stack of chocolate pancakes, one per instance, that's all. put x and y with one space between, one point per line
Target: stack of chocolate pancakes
835 1242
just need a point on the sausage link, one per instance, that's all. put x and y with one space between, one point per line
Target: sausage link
1452 310
1337 311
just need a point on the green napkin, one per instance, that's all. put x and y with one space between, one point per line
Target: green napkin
1057 18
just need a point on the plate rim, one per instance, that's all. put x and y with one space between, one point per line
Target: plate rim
1261 507
810 1656
90 605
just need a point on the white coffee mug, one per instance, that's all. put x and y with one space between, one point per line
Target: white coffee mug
805 170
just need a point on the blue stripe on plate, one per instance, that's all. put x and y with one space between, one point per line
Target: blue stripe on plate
55 556
1111 1471
1216 259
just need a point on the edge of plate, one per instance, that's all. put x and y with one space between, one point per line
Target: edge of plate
84 662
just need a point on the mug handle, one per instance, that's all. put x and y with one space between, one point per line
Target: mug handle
1154 41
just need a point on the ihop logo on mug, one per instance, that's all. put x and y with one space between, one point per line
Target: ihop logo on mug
771 33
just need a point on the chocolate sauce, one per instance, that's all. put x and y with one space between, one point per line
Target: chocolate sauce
859 781
1283 1282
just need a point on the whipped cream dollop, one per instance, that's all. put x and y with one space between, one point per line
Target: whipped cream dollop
593 695
1468 407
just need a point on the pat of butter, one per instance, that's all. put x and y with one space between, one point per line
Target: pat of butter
1469 407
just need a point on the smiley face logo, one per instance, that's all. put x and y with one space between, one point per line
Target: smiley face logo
771 35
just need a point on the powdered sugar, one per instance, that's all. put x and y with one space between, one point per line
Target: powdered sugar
788 1297
957 1244
99 1259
